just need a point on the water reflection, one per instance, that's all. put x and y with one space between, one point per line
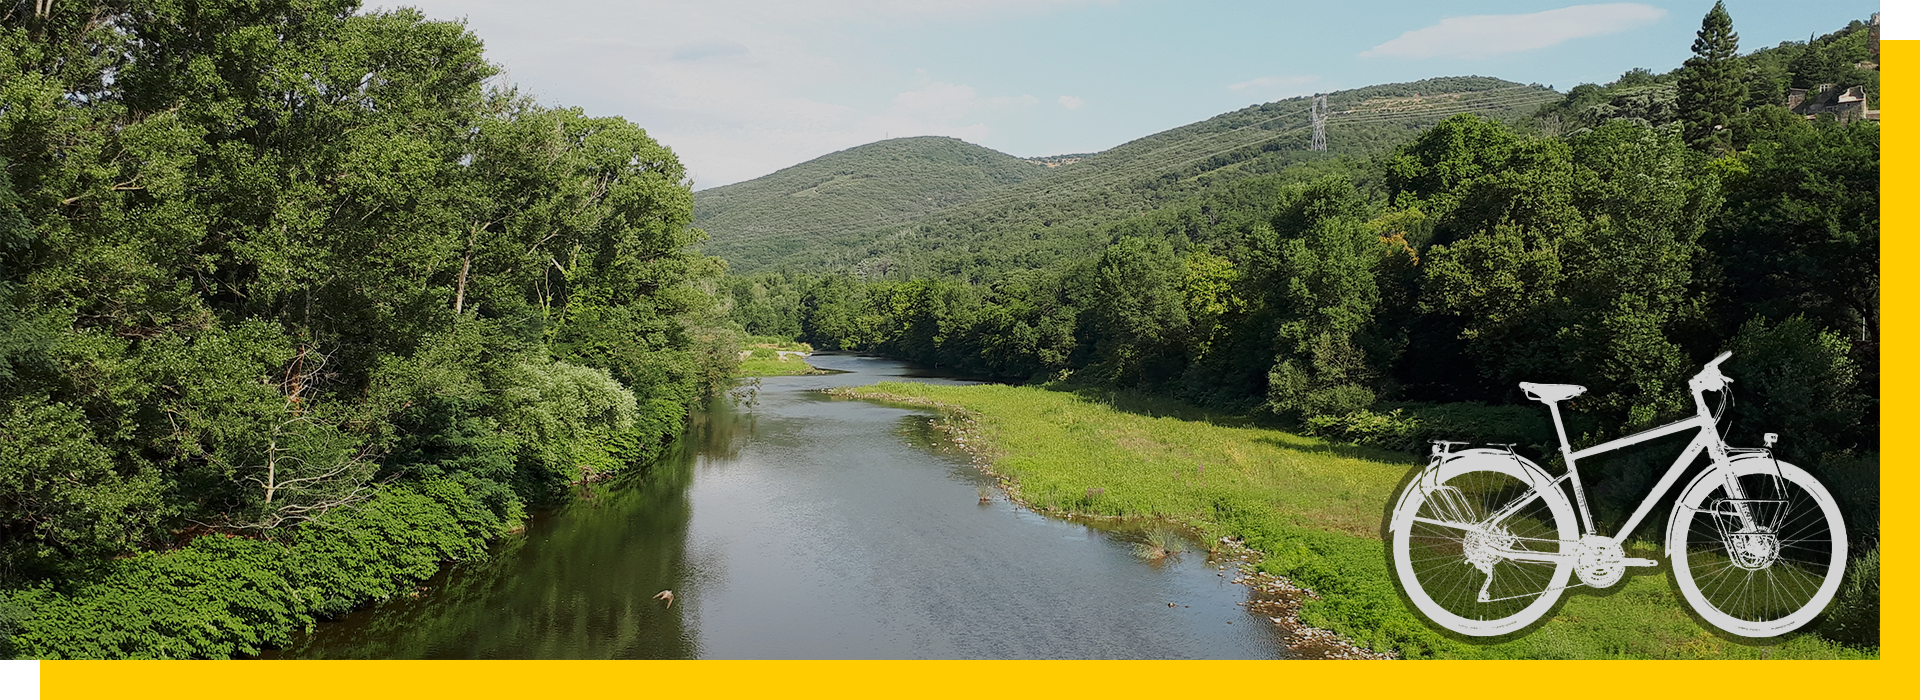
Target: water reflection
804 526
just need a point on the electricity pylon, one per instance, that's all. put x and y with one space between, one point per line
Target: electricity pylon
1319 142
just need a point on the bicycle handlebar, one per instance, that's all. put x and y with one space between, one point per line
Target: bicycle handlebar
1710 379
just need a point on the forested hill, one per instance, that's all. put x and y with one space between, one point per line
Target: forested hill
1030 222
846 189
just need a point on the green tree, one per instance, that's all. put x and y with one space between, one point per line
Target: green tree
1712 87
1136 312
1800 233
1318 266
1577 264
254 255
834 315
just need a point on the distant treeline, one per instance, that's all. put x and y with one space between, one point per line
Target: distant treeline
1617 252
967 212
1404 299
294 288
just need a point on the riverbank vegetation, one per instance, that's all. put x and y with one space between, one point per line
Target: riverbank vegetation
1392 300
767 356
297 303
1314 508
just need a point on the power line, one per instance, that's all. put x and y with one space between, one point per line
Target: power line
1104 180
1150 162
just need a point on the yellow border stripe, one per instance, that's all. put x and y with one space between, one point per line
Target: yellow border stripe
163 680
61 680
1899 377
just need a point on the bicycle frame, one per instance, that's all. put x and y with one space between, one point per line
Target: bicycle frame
1706 440
1477 508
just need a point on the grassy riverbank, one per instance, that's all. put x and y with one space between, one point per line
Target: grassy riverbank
764 356
1315 509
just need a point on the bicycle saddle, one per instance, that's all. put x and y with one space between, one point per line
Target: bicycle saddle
1551 392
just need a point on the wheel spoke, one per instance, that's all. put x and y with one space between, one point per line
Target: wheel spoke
1768 580
1449 553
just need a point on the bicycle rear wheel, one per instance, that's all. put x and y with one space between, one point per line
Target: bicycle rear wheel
1766 574
1456 569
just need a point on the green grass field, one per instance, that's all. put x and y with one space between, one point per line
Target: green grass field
1313 508
760 357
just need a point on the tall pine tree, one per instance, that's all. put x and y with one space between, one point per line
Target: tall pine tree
1711 92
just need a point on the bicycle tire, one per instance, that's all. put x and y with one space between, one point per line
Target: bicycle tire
1432 561
1720 573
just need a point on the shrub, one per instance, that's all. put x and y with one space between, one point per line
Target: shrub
223 596
1409 427
562 416
1798 380
1854 615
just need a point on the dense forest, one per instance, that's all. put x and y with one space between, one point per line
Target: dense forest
931 228
888 180
297 303
1398 298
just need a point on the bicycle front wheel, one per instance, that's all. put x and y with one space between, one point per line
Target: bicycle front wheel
1476 577
1764 561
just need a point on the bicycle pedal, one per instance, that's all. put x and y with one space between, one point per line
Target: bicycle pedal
1639 562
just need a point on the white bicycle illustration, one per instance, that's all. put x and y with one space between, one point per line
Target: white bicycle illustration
1484 541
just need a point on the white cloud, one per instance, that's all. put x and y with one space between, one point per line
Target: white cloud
1483 36
937 99
708 49
1274 81
737 88
949 101
1071 102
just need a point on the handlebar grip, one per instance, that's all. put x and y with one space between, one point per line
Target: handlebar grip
1717 360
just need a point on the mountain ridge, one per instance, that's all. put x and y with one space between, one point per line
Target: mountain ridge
907 176
1047 213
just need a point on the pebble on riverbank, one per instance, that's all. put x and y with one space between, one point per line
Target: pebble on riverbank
1276 598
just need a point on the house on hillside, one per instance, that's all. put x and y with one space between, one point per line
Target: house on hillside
1845 105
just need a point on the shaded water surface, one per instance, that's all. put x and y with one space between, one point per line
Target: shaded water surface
804 526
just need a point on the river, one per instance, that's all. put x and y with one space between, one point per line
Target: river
806 526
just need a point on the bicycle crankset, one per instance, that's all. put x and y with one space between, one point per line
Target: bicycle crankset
1601 563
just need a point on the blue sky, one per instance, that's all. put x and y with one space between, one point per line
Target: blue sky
741 88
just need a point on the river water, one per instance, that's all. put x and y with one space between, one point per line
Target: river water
806 526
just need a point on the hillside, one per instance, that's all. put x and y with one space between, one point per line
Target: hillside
846 190
1842 58
1029 222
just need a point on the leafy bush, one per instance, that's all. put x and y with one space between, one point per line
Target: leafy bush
223 596
562 416
1798 380
1854 615
1410 427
